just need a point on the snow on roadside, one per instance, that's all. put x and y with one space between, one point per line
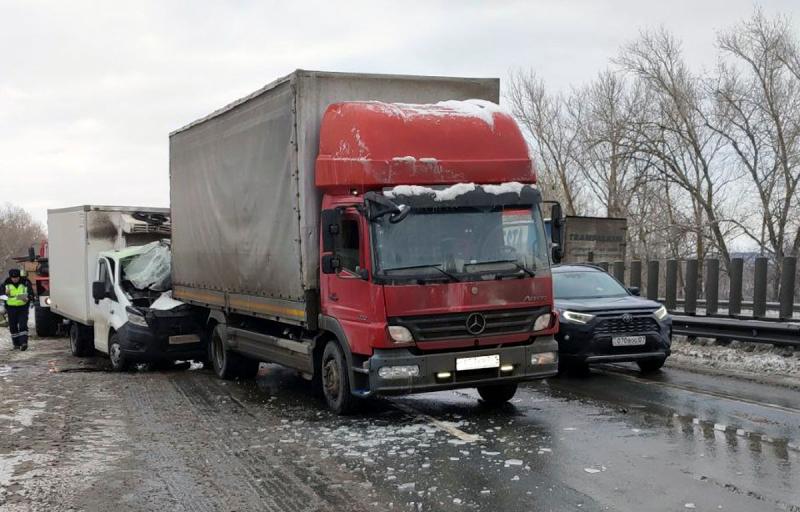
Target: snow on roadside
760 360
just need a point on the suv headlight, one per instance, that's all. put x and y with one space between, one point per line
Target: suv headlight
661 313
400 334
575 317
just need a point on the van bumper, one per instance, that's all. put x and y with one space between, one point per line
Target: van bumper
140 344
524 360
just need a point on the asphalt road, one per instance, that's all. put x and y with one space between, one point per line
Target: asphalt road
78 437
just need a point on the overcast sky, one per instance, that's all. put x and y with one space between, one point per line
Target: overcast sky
89 91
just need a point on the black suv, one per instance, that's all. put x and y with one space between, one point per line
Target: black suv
601 321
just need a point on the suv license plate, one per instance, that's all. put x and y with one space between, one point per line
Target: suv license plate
477 363
628 341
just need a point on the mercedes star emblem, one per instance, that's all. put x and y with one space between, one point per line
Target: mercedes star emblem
476 323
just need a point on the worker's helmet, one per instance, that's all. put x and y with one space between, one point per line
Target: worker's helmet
14 272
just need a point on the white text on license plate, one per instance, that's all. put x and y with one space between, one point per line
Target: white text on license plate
628 341
477 363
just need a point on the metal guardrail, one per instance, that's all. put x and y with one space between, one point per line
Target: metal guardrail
756 331
782 328
725 304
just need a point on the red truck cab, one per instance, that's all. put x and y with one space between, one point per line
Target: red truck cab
424 275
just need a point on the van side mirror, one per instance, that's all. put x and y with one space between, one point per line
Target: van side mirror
331 226
330 264
98 291
557 232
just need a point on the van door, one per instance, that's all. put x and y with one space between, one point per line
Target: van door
103 311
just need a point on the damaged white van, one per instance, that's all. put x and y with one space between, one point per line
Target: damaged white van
110 280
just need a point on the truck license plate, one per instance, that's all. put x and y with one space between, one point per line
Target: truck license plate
628 341
183 339
477 363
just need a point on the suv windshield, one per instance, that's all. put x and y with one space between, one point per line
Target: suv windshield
586 285
455 243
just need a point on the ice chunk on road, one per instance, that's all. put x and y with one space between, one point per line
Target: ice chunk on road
591 470
513 462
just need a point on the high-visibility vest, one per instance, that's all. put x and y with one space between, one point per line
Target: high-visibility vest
14 292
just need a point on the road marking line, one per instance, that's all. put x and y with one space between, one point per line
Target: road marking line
442 425
698 391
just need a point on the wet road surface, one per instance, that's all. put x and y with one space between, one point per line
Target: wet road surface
76 437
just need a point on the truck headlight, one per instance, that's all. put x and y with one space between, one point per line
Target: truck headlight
661 313
543 322
575 317
47 301
544 358
398 372
400 334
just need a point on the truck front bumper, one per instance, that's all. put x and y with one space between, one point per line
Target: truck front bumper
437 371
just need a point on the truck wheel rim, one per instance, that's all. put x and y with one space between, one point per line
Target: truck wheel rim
330 377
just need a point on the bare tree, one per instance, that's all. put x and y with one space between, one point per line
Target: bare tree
673 135
612 173
18 232
547 120
757 94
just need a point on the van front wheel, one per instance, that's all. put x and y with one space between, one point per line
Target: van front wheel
118 361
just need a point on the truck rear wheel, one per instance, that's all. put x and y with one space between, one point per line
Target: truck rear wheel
79 341
497 394
46 322
335 380
227 364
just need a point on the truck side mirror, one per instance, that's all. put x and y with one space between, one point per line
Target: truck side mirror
98 291
330 226
557 232
330 264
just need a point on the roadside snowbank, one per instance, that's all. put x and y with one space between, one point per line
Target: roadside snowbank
761 360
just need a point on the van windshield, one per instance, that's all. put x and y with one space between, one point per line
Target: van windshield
459 243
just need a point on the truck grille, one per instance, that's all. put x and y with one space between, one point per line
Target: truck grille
453 326
618 325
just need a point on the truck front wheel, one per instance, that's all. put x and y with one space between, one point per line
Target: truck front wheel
497 394
335 380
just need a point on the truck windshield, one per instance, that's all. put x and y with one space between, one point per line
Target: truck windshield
461 243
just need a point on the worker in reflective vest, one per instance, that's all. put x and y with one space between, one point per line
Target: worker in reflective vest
20 296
